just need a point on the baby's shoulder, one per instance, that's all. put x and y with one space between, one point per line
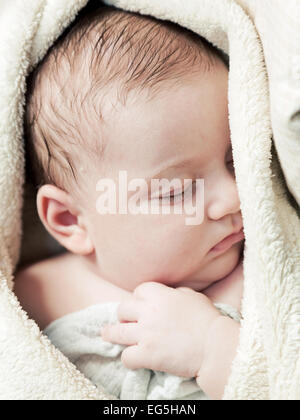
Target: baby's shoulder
57 286
31 277
37 285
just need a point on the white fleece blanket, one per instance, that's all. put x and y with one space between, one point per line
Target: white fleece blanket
267 365
77 336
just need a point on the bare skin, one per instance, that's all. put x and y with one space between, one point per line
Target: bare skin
45 296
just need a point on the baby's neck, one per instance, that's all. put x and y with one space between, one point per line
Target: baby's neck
109 291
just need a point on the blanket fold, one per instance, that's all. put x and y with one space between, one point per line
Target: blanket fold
267 365
77 335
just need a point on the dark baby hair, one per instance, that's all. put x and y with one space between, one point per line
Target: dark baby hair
104 47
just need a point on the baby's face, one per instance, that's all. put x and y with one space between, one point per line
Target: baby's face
187 127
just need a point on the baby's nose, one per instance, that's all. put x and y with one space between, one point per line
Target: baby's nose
223 199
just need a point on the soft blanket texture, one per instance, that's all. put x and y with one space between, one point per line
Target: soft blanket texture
77 335
267 365
278 25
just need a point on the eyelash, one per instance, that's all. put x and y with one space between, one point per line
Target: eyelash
181 194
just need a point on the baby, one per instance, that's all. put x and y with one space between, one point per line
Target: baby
121 91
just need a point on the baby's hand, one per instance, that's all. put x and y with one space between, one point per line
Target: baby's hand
166 329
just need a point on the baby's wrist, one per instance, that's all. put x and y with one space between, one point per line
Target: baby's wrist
212 340
218 353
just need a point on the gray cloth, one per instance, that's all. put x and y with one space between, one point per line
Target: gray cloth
77 335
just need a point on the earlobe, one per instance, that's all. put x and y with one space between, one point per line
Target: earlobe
63 220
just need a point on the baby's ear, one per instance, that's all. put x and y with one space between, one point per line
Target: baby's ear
63 220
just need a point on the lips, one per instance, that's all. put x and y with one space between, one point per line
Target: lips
227 242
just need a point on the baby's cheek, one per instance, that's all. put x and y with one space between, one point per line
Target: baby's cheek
169 263
137 249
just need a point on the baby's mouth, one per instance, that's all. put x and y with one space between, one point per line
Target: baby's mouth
227 242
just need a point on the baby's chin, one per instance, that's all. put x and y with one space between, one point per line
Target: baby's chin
217 268
223 264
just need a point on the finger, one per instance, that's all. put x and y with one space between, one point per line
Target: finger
129 310
125 334
131 359
140 356
148 289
